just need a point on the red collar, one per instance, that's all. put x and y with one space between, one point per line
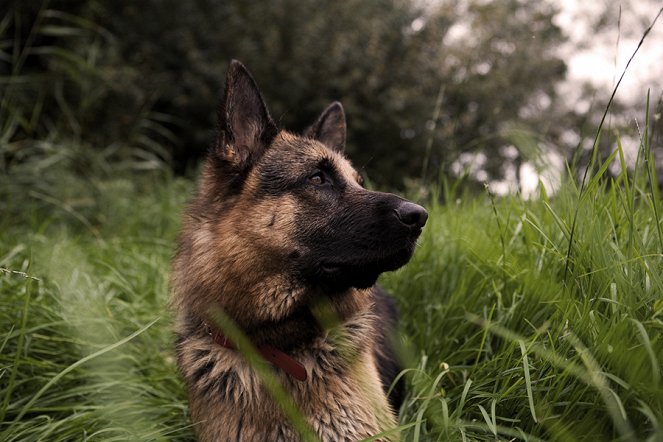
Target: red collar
269 353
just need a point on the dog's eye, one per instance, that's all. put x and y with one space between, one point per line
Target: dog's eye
317 178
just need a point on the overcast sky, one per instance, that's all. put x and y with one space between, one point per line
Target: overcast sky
596 57
600 58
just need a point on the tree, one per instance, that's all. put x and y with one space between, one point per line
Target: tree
499 70
421 84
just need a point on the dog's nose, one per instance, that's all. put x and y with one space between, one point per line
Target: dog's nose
411 214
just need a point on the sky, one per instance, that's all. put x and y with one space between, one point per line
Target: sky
600 58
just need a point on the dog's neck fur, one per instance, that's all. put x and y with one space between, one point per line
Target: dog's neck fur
320 316
340 397
330 318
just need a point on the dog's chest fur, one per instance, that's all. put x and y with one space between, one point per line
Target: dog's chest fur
342 399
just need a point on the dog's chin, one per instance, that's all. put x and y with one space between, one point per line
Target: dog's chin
340 277
361 273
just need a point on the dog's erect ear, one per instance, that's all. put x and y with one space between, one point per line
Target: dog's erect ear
330 128
245 126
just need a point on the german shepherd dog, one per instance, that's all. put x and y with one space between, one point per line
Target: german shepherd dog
280 230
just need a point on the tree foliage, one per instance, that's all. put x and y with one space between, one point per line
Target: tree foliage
422 84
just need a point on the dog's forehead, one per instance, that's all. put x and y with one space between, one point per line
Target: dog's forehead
306 152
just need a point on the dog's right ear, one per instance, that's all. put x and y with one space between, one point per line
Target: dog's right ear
330 128
245 128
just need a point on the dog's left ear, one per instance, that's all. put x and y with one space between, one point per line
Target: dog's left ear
330 128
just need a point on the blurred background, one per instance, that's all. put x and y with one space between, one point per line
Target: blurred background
498 92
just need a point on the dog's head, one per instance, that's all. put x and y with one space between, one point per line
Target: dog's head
308 201
280 214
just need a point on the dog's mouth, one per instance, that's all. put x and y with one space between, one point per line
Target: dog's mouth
329 268
360 272
382 262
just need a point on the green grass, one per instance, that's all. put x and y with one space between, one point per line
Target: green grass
507 332
510 335
83 269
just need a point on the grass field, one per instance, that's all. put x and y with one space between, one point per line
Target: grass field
507 332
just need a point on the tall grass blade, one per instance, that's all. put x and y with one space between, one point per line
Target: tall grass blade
262 369
528 381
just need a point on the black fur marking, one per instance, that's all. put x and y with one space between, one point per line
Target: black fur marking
225 385
202 372
275 182
240 426
327 165
385 353
202 354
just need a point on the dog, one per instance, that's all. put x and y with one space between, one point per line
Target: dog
284 239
